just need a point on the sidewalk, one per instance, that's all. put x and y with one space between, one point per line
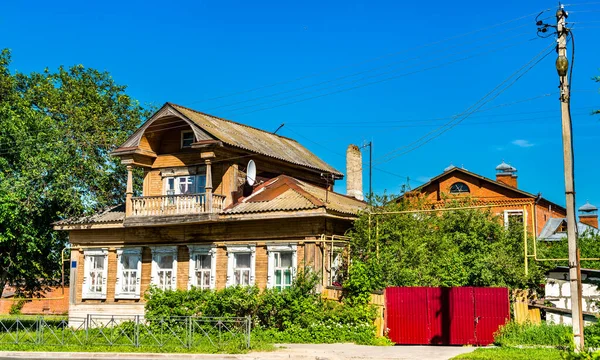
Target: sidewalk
287 351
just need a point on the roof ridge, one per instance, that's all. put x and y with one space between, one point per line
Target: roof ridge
230 121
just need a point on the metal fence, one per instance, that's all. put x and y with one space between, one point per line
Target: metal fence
107 330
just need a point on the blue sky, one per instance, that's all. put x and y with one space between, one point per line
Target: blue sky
381 71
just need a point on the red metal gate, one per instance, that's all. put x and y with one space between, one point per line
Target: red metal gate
445 316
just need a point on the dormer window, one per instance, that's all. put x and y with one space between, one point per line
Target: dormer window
459 188
187 138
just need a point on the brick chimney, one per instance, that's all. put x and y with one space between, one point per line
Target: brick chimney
588 214
506 174
354 185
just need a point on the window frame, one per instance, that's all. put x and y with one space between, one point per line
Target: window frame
195 250
183 133
177 181
130 251
468 191
235 250
163 251
86 293
337 257
272 250
508 213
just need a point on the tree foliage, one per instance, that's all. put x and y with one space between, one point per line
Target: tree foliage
467 247
57 129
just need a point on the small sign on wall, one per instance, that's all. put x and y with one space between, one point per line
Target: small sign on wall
73 264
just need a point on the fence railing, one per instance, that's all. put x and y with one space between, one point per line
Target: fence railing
183 204
137 331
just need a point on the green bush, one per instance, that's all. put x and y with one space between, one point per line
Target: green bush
297 314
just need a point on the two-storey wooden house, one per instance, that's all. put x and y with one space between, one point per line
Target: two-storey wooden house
200 223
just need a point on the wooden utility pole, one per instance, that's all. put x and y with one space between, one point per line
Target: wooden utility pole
562 66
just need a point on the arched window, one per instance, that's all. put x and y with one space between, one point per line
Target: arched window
459 188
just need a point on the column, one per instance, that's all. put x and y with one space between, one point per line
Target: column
129 193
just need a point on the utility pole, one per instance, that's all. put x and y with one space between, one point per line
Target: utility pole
370 145
562 66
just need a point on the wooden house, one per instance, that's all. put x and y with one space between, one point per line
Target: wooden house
202 220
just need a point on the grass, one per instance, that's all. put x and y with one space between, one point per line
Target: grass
513 334
511 353
255 346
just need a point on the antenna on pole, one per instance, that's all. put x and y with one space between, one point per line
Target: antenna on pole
280 126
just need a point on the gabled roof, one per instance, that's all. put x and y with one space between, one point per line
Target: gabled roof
208 127
483 178
285 193
549 231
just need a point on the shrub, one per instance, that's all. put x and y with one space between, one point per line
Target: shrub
513 334
16 307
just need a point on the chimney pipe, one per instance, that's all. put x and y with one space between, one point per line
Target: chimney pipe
354 185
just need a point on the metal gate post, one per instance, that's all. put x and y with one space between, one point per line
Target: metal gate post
87 328
189 332
136 331
248 330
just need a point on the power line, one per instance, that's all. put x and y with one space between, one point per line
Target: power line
380 80
402 61
365 61
450 125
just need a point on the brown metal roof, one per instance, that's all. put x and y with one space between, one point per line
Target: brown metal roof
115 214
256 140
285 193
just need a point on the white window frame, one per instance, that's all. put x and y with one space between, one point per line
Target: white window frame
509 213
85 288
132 251
335 263
210 250
231 252
271 250
164 250
177 181
183 132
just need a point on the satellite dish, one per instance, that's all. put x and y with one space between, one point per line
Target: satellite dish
251 173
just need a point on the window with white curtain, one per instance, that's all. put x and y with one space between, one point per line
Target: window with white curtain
202 267
241 262
129 273
164 267
95 270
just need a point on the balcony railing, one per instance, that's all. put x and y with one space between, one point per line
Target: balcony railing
185 204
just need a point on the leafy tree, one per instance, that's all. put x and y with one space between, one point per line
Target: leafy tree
468 247
57 129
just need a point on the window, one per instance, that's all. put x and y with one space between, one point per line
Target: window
337 261
562 228
187 138
202 267
190 184
282 265
129 270
240 265
164 267
459 188
512 218
95 273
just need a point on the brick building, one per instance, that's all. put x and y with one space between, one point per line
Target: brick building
502 195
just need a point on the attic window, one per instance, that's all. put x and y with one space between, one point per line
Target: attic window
187 138
562 228
459 188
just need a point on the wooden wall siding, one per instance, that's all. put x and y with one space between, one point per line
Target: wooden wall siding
183 267
221 268
187 158
111 278
145 144
261 271
79 276
171 139
146 270
153 184
256 230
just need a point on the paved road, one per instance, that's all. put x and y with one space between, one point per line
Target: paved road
288 352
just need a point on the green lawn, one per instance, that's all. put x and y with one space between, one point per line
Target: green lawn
510 353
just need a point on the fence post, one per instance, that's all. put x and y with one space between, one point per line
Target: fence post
189 332
87 328
248 330
136 331
17 322
39 331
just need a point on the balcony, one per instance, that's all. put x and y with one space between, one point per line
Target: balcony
185 204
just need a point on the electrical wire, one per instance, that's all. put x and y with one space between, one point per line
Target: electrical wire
366 61
402 63
448 126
